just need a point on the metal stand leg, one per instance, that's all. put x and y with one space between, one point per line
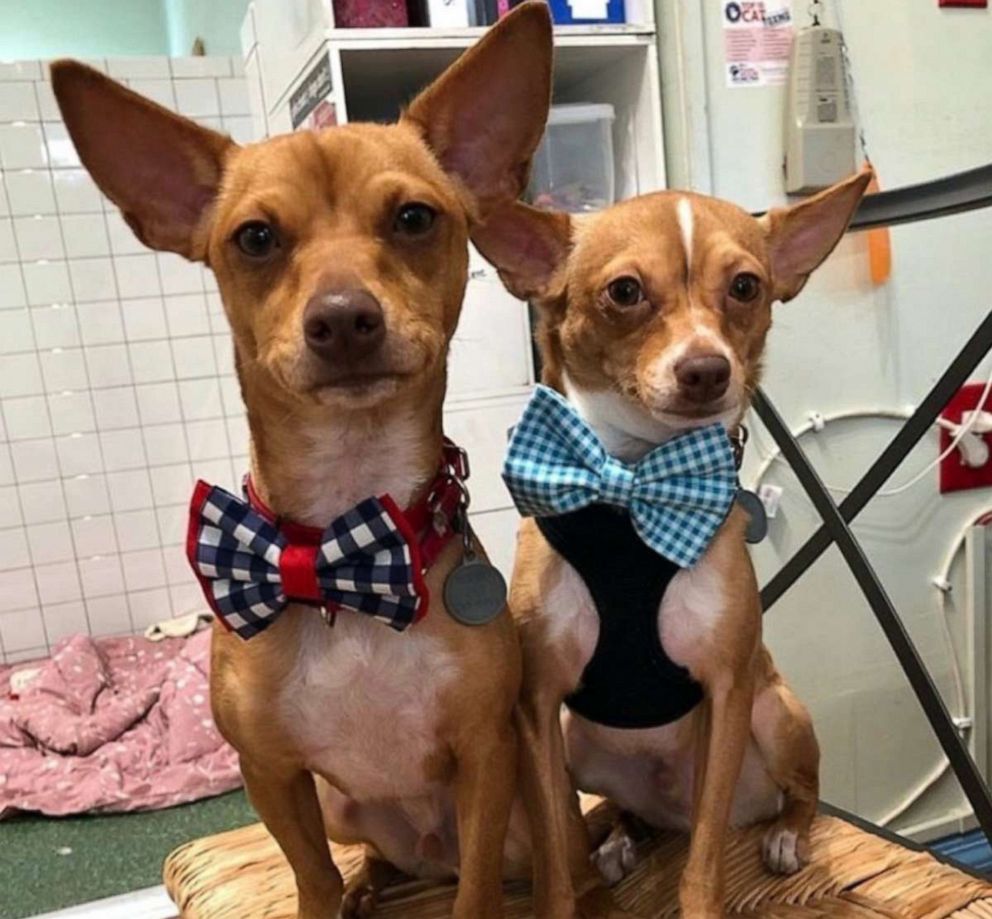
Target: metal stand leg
949 195
835 529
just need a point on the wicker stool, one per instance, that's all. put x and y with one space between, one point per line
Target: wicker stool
854 874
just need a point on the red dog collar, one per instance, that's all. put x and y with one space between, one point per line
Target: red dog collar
429 524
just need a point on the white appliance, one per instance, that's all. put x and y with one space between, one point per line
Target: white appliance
819 130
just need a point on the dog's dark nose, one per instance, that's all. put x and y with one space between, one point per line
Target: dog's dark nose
703 378
343 324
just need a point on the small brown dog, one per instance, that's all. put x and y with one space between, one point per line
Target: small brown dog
341 258
654 315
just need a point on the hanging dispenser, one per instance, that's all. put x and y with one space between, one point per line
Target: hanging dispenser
819 129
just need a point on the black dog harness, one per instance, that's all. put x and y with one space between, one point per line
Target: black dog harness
630 682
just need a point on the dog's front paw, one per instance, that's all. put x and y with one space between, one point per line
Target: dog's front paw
359 902
784 850
616 857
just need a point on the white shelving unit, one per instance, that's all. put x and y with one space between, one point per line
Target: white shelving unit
300 68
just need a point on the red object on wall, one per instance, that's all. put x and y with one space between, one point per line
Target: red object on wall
954 475
325 115
370 14
973 3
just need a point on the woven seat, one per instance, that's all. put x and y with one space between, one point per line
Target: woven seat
854 874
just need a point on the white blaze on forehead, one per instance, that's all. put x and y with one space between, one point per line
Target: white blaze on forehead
684 212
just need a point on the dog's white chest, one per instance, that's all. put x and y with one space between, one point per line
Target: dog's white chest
363 705
689 609
647 770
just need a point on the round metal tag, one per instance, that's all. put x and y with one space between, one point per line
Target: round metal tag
474 592
757 519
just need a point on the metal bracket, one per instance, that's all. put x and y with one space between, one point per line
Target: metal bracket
909 435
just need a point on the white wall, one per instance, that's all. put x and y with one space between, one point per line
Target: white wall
922 78
217 22
97 28
117 383
83 28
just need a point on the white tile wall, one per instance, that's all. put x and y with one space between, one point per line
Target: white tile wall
116 379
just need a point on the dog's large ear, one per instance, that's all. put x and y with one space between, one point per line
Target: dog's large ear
485 115
527 246
162 170
801 237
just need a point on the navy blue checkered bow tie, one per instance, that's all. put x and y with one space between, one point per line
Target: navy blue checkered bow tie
678 495
366 560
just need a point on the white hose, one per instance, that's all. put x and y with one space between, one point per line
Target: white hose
925 784
939 770
951 447
776 453
817 421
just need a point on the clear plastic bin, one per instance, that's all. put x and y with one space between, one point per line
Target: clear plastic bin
573 166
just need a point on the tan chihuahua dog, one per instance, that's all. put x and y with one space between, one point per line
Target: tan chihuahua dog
341 258
653 316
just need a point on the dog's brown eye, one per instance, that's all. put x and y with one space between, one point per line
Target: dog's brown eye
414 219
256 239
745 287
625 291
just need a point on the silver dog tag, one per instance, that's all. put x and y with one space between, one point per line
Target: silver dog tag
474 592
757 519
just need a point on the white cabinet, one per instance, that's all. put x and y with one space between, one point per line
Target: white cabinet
302 72
491 350
497 531
481 427
374 72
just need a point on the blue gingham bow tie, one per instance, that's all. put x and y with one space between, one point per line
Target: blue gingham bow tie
250 569
677 496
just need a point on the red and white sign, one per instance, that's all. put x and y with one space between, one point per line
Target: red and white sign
325 115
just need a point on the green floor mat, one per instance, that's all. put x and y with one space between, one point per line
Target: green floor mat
48 863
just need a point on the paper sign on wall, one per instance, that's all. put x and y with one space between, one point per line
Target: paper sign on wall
757 39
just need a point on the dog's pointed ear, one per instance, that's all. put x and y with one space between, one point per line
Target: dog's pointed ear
527 245
799 238
162 170
485 115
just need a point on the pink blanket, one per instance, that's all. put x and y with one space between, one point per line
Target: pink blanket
113 724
